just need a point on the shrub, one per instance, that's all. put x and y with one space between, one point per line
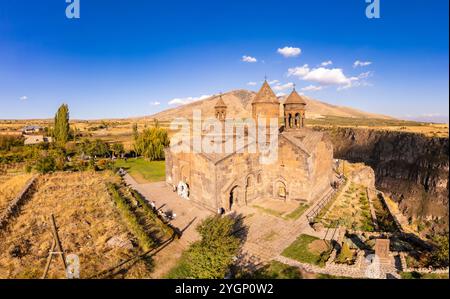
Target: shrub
149 213
439 256
145 242
212 256
345 255
7 142
46 164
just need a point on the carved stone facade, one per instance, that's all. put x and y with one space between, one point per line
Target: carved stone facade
302 172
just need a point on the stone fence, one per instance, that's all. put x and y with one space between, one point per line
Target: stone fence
405 267
354 271
15 204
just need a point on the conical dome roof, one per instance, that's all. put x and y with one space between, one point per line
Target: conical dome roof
220 103
295 98
265 95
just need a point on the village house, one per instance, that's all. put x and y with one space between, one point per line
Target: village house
32 130
36 139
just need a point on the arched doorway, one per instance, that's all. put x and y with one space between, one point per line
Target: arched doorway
281 191
234 197
184 173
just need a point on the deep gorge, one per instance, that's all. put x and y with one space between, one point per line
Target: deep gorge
412 168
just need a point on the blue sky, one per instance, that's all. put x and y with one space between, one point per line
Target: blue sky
133 58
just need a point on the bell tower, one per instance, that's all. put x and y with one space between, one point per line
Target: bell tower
266 108
220 109
294 111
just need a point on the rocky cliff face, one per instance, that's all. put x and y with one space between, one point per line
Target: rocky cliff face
411 168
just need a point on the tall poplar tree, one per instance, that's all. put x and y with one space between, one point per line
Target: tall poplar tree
61 130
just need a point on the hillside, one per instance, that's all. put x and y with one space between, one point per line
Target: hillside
239 106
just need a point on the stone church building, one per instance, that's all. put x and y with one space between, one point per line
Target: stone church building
303 171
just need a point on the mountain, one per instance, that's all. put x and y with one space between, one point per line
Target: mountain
239 106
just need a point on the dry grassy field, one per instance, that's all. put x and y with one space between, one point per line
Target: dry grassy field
10 186
89 226
427 129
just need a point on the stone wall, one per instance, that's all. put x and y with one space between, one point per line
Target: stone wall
15 204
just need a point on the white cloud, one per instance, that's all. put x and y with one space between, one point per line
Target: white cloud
252 83
249 59
281 87
155 103
312 88
328 76
360 80
23 98
289 51
188 100
273 82
326 63
320 75
299 71
365 75
281 94
358 63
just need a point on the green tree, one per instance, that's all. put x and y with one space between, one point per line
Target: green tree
62 128
117 149
96 148
135 131
151 143
212 256
439 256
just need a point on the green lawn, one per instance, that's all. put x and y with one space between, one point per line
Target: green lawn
294 215
277 270
299 251
269 211
143 171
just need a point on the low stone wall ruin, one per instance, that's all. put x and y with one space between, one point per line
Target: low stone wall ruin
16 203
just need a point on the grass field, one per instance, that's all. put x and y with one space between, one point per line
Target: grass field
143 171
277 270
302 251
89 225
10 188
292 215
